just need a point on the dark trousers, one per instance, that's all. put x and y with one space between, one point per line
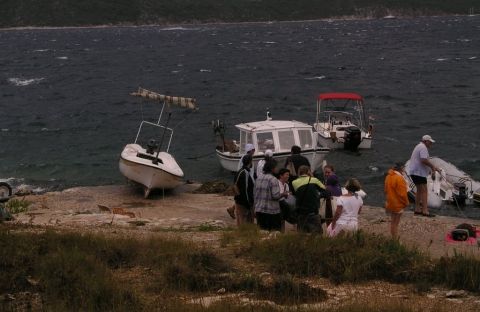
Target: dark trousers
311 223
269 222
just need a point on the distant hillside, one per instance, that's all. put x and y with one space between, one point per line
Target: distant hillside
19 13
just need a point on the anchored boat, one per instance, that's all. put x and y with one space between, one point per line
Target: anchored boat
342 121
451 185
276 135
147 161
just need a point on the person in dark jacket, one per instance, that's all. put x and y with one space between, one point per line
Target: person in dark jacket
333 187
308 190
293 163
244 198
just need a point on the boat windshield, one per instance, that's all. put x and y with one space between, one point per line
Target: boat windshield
305 137
265 141
245 138
155 135
342 112
286 139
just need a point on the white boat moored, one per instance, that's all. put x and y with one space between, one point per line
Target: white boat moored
276 135
342 121
147 161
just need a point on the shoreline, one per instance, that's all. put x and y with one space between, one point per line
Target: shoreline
199 23
123 208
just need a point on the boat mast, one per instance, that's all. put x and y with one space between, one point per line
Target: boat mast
155 161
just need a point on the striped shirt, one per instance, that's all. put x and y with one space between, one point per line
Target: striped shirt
266 194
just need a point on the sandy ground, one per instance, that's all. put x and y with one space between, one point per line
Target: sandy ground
123 206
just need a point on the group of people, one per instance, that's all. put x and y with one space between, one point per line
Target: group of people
266 192
262 192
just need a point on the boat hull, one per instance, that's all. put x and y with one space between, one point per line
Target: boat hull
164 175
442 189
326 141
229 161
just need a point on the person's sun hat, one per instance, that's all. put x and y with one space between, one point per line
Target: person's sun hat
426 137
269 153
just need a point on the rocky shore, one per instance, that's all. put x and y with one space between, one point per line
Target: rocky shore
124 208
189 214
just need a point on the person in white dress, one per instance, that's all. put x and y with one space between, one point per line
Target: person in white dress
348 209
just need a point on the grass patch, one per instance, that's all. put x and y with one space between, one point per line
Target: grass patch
284 289
247 234
16 205
357 257
459 272
208 227
81 270
87 272
68 276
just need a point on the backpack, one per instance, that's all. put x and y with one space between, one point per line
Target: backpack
469 228
288 209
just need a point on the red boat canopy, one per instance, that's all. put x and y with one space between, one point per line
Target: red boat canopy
340 96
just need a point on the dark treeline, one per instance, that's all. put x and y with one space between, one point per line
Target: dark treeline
19 13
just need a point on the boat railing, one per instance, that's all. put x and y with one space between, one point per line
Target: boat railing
144 122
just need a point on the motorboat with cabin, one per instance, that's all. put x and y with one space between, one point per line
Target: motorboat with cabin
276 135
451 185
342 122
147 161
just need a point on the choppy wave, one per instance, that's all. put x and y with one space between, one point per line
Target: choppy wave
19 185
316 78
19 82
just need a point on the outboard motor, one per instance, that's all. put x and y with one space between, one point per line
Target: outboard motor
459 193
151 146
353 138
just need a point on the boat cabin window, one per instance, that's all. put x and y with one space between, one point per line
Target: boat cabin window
245 138
305 137
286 139
265 141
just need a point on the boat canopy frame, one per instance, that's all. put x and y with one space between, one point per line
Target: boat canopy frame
350 105
166 100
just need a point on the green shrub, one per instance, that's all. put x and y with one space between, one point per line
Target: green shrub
15 205
460 272
67 272
356 257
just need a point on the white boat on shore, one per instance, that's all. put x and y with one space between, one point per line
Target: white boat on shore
342 122
451 185
147 161
276 135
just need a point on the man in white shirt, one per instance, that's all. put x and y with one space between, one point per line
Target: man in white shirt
419 168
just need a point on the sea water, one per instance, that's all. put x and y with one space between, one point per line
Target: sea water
66 112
